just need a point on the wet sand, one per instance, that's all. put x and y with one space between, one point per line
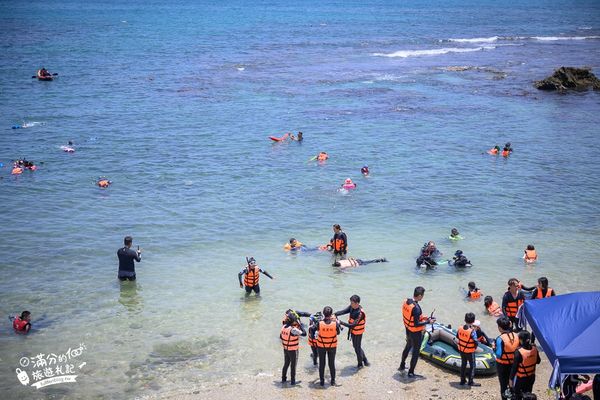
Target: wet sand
379 381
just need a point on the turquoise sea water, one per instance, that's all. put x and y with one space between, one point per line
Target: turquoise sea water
174 104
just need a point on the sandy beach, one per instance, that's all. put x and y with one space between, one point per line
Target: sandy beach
379 381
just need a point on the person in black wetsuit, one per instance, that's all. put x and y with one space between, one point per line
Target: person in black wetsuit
460 260
356 324
339 242
290 334
126 260
414 323
428 255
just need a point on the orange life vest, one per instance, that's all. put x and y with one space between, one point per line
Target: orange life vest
539 293
311 341
360 328
322 156
512 306
510 343
327 334
103 183
289 341
530 255
494 309
475 294
505 153
493 151
409 322
527 366
466 344
252 276
17 171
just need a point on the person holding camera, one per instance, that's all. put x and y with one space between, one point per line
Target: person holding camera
127 258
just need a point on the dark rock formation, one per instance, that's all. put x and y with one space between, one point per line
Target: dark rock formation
569 78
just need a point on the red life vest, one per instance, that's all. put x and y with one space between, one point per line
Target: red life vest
466 344
539 293
290 342
252 276
20 325
360 328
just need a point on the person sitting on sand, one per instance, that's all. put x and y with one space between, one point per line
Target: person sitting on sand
355 262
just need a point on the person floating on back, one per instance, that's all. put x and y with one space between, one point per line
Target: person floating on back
355 262
251 275
127 258
467 345
530 255
22 323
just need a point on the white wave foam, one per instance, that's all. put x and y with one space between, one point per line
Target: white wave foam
476 40
554 38
432 52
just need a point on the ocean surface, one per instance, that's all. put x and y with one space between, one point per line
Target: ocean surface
174 102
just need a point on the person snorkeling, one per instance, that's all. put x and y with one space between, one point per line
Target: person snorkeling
365 170
293 244
103 182
474 293
356 325
322 156
251 275
507 150
355 262
296 138
290 334
22 324
460 260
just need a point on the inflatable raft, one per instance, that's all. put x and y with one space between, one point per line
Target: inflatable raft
438 347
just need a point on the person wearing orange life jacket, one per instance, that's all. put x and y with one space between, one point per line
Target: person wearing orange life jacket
290 334
494 150
414 322
522 374
251 274
474 292
492 307
326 334
512 301
103 182
339 242
504 347
322 156
542 290
356 325
22 323
466 341
507 150
530 255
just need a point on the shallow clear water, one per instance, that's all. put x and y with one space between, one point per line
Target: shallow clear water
175 103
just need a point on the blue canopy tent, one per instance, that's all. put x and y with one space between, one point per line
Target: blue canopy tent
568 329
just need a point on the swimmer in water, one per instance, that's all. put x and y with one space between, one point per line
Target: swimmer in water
507 150
530 255
22 324
454 234
293 245
494 151
428 254
365 170
103 182
348 184
474 293
460 260
355 262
